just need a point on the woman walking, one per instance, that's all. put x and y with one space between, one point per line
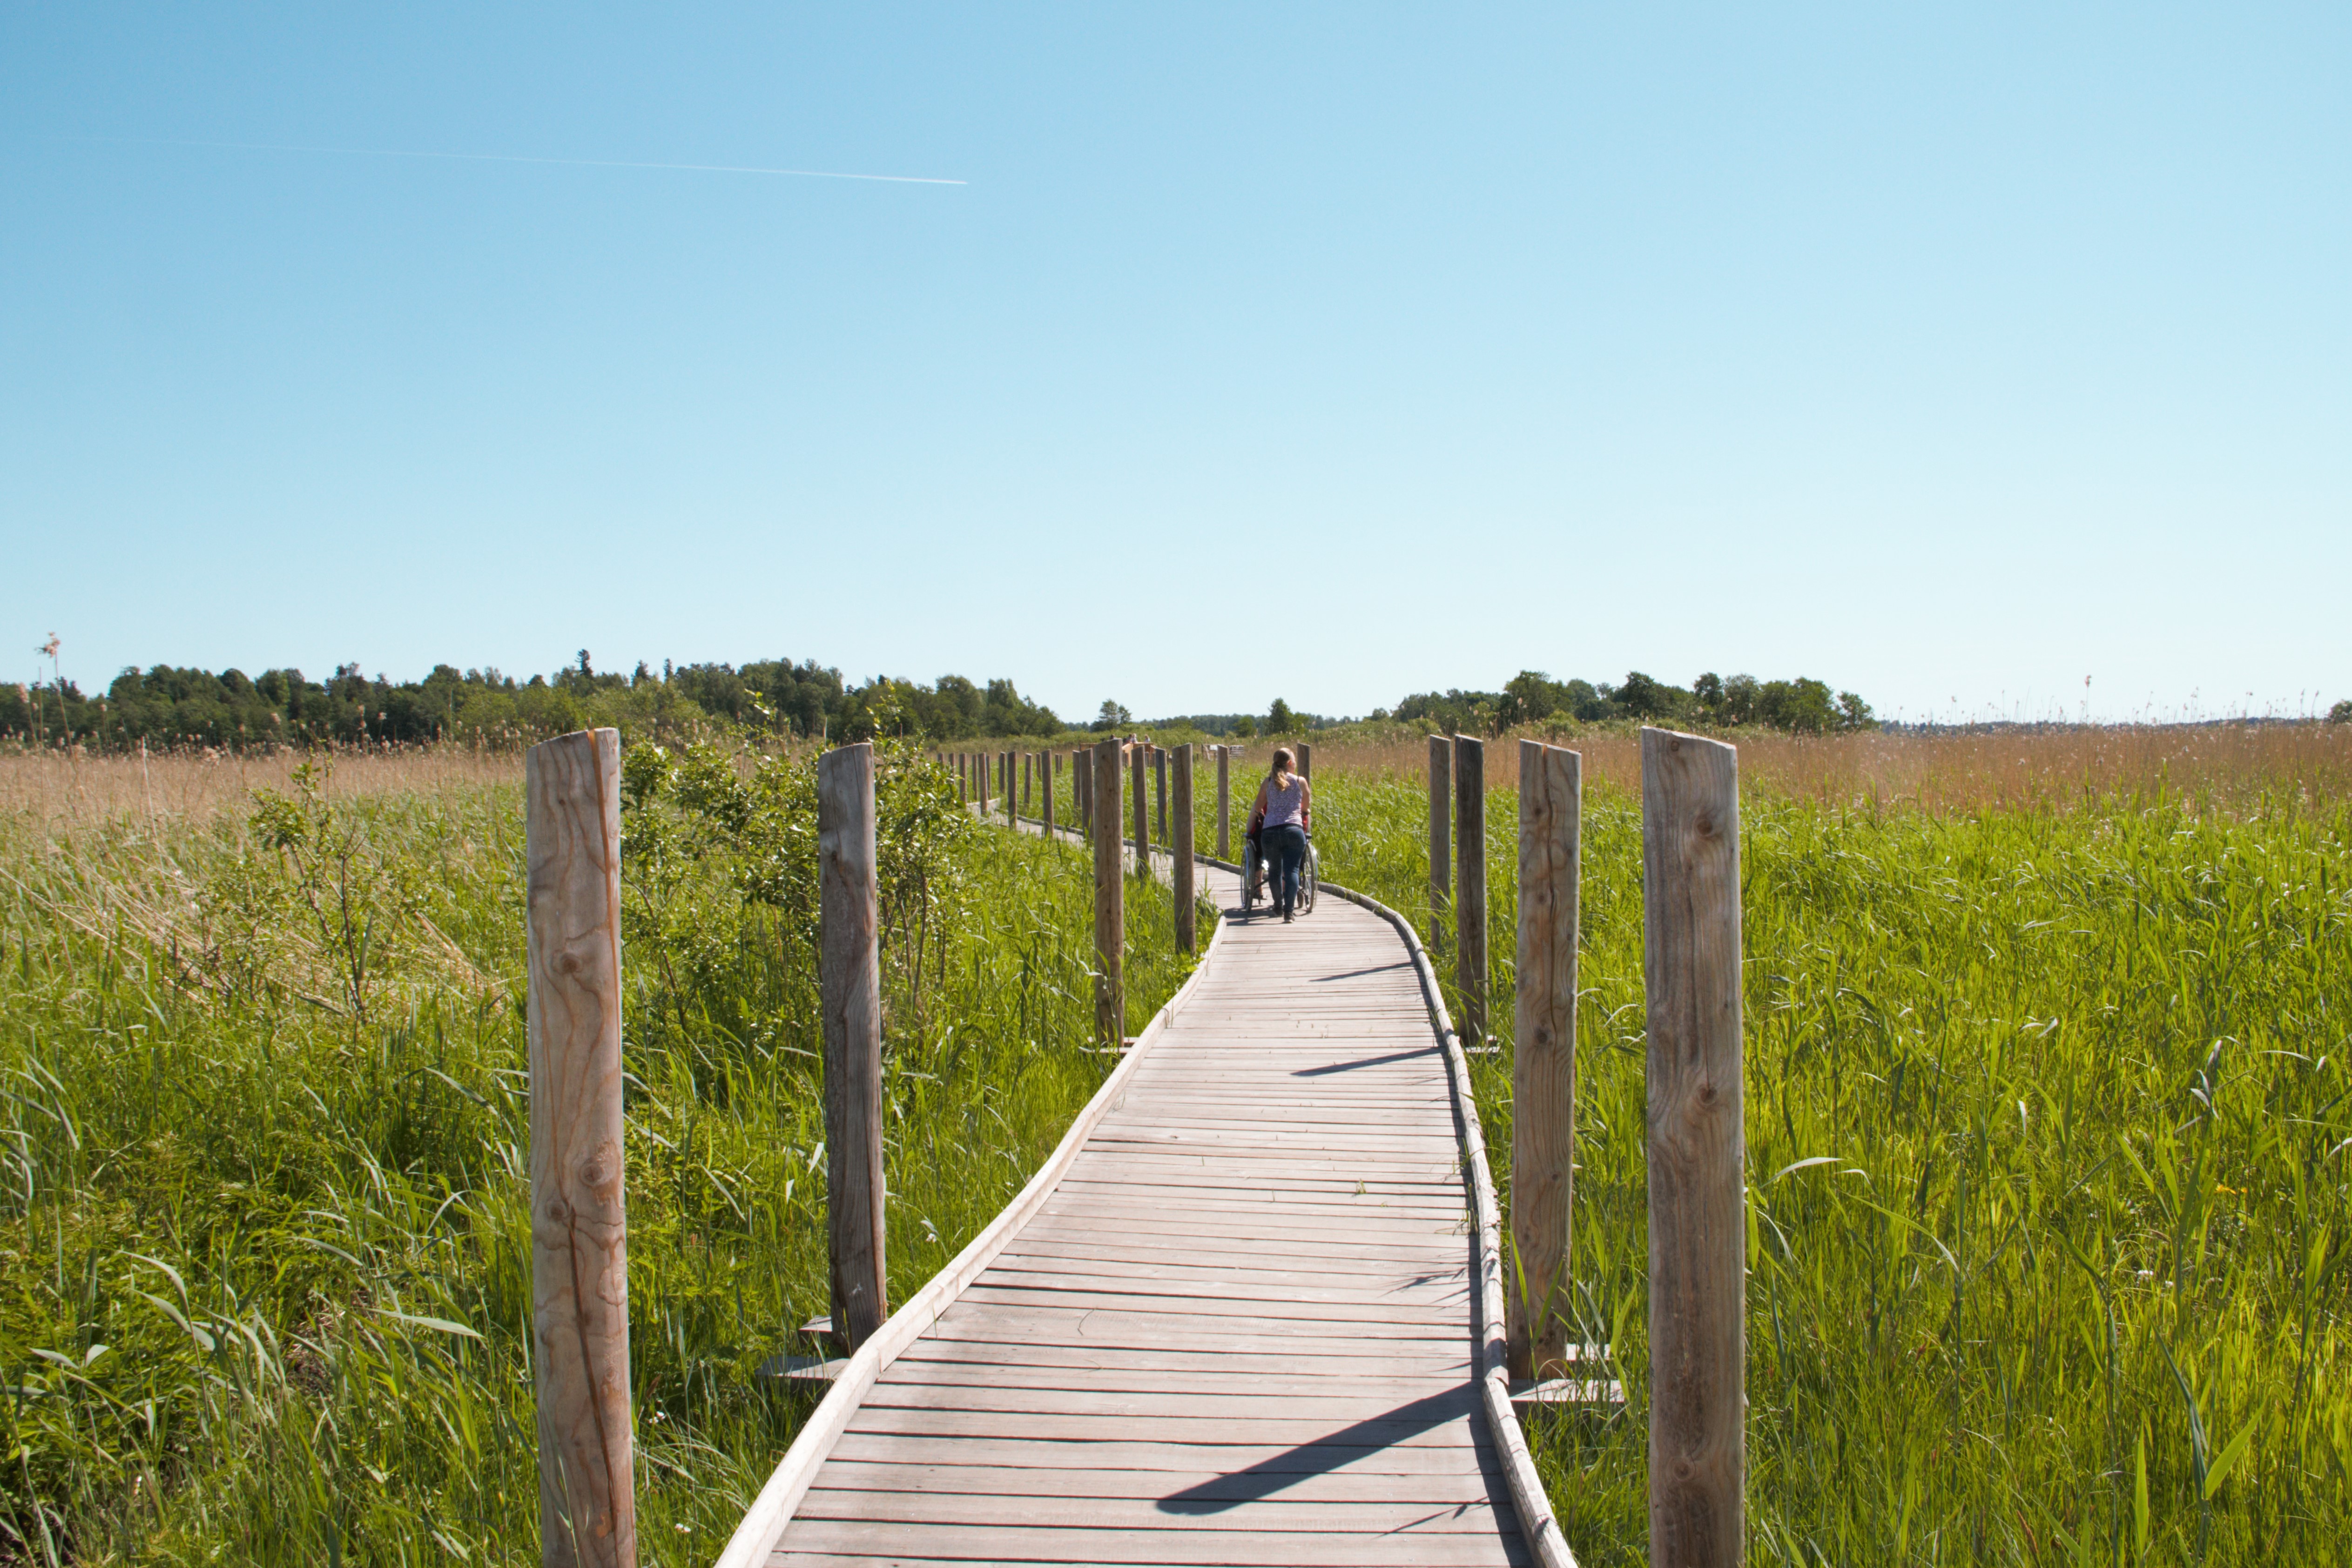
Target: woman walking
1282 818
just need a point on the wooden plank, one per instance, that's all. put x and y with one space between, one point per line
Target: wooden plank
1402 1431
1131 1454
1290 1361
1014 1543
1210 1507
850 1001
1470 884
1161 1379
1543 1062
1346 1485
1691 947
579 1232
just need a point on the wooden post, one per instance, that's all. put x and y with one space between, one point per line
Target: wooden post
849 981
963 784
1224 803
1027 757
1470 884
979 772
579 1215
1045 791
1441 837
1160 774
1698 1233
1082 788
1180 847
1111 898
1012 799
1307 762
1543 1065
1142 814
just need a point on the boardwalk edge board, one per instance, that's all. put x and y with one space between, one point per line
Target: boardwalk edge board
762 1527
1536 1521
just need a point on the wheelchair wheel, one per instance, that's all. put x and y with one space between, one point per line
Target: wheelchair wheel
1249 882
1307 880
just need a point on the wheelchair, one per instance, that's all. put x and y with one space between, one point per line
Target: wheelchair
1256 871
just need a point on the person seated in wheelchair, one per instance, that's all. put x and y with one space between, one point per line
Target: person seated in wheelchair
1280 822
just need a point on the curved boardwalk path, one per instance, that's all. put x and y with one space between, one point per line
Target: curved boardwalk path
1241 1328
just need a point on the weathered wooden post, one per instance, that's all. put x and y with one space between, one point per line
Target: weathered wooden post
849 996
1543 1066
1045 792
1110 897
1470 884
1159 785
579 1215
1082 790
963 783
1698 1233
1307 762
979 772
1441 837
1224 803
1142 813
1012 799
1026 758
1179 848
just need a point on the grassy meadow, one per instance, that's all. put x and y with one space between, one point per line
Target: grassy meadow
266 1275
2047 1129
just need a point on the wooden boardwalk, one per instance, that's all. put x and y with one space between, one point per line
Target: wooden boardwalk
1244 1326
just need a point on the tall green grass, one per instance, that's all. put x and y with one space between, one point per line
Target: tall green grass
264 1278
2047 1124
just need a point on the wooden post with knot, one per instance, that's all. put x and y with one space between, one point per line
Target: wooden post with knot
579 1213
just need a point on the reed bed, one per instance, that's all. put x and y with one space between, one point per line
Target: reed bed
265 1271
2220 766
2047 1124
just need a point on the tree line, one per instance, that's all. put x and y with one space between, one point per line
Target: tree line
167 706
1802 705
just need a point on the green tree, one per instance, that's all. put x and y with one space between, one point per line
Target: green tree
1279 719
1528 697
1853 713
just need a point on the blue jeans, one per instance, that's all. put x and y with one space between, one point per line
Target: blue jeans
1286 849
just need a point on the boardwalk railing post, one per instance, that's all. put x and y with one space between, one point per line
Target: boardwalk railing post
1698 1233
1137 753
579 1215
1159 778
1026 758
1045 791
979 772
1111 898
1180 847
1012 799
1470 884
1307 762
1543 1063
1224 803
1441 837
849 996
1082 790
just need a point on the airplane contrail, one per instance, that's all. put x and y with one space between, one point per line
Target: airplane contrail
518 158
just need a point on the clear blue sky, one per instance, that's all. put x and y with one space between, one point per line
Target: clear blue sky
1949 353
